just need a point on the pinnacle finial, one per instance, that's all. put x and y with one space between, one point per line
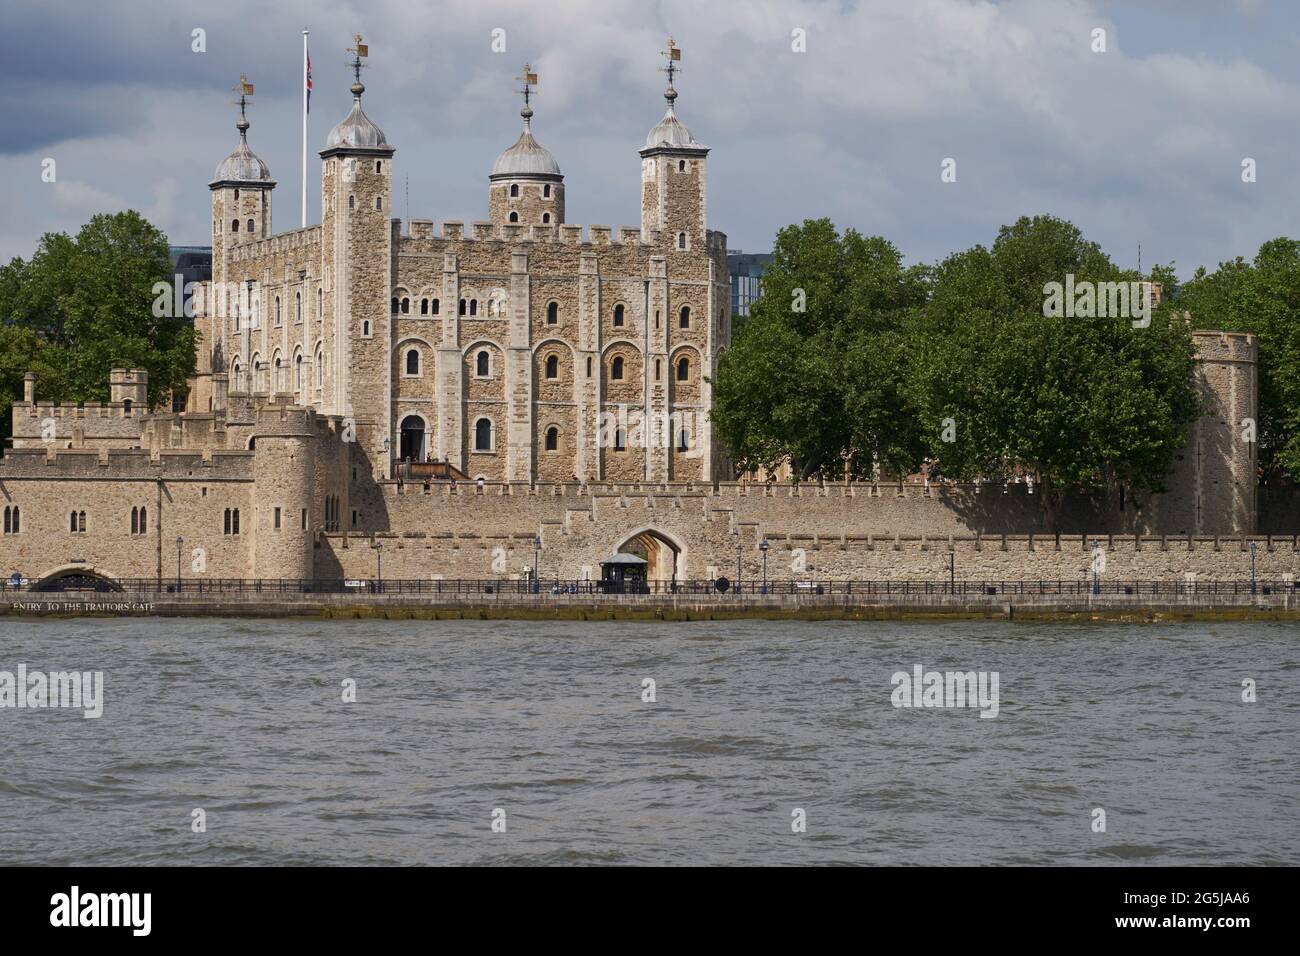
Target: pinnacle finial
674 56
529 79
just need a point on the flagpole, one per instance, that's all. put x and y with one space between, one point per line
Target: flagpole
304 129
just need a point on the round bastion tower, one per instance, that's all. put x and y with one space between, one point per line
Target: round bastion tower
284 473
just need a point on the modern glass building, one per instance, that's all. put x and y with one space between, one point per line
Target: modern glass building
747 269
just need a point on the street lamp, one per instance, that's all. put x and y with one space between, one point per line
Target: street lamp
763 546
537 563
1252 567
179 541
1096 582
388 457
379 565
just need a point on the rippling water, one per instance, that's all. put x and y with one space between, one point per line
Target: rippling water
753 719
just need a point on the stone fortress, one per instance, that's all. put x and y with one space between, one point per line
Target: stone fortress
473 406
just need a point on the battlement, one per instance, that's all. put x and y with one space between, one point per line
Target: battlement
296 239
1215 346
566 234
126 464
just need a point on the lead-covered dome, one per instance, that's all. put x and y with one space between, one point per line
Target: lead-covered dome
243 165
526 157
357 130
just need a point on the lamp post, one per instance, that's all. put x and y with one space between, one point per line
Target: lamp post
737 567
1096 581
179 541
537 563
388 457
1252 567
379 566
763 546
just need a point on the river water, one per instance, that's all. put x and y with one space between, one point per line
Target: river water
752 722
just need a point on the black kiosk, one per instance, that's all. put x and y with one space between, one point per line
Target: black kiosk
623 574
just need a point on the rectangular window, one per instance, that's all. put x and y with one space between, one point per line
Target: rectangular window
304 519
277 519
354 517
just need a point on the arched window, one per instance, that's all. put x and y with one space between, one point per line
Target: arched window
12 520
681 165
234 225
546 191
552 366
406 306
681 240
413 362
462 306
588 366
135 521
433 307
683 369
379 166
297 306
552 313
546 217
514 217
277 310
658 368
236 193
379 202
483 434
552 439
320 367
473 306
352 202
297 373
514 190
394 305
684 317
250 225
424 306
365 328
620 440
72 522
320 303
483 364
618 316
126 406
616 368
144 520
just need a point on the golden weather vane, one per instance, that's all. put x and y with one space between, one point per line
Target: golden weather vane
529 79
674 56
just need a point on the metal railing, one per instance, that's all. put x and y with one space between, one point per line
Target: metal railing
558 587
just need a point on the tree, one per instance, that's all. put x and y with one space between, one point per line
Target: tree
81 306
818 375
1078 403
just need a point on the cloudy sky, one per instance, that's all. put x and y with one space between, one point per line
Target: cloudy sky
1140 144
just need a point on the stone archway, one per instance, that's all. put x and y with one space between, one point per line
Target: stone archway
662 554
77 578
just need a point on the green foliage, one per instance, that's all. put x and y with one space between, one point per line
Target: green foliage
818 373
81 306
1079 403
885 357
1263 297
